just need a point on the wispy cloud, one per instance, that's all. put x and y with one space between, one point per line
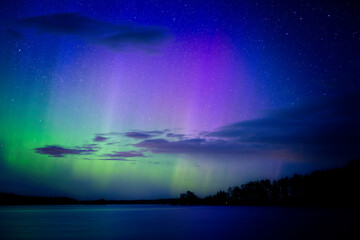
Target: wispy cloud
99 138
198 146
58 151
326 129
136 36
175 135
143 134
116 159
125 154
108 34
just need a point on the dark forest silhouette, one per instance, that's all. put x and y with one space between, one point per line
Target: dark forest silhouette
335 187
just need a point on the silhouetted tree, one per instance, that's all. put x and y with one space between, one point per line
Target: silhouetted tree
234 193
188 198
220 198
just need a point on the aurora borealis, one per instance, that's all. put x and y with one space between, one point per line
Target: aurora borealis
129 100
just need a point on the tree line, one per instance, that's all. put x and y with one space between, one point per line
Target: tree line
334 187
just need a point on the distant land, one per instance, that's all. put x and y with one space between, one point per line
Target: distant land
337 187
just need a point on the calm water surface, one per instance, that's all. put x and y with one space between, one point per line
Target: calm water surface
176 222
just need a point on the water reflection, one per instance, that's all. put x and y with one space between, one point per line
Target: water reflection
175 222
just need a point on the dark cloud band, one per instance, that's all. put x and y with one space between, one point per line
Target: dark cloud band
127 154
143 134
58 151
325 129
114 36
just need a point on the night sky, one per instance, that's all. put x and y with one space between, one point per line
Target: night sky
135 99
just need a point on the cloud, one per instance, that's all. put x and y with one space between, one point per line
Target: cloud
117 159
127 154
139 36
138 135
69 23
108 34
328 128
58 151
143 134
100 139
175 135
112 143
197 146
333 122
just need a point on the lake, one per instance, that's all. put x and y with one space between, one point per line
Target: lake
176 222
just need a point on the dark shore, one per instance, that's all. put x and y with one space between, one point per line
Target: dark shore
327 188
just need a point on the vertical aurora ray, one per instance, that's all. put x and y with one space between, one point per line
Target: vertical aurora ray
171 88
